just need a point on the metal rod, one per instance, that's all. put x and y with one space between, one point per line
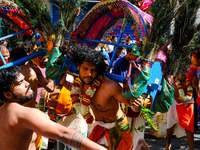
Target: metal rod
24 59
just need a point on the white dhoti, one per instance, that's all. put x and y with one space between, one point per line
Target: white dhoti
160 120
172 120
139 121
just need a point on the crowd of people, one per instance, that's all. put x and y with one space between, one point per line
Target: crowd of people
95 118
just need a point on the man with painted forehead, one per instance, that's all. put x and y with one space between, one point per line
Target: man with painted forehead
94 90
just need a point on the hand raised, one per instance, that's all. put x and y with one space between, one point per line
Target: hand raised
135 104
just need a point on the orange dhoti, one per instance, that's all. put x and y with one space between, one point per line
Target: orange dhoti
186 116
100 133
181 116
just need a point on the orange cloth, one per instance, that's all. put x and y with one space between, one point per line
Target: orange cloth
195 64
37 60
186 116
38 142
127 140
64 105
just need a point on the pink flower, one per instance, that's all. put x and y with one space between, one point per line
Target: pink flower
146 5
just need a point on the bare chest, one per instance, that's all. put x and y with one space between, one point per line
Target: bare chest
17 140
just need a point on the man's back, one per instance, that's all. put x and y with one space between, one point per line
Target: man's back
14 136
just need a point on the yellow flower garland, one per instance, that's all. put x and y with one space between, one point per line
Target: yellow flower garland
182 97
82 104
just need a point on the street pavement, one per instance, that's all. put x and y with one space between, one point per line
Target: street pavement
155 143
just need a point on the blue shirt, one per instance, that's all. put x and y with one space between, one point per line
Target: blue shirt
121 67
116 57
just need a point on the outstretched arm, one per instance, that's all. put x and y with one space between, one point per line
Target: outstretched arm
50 129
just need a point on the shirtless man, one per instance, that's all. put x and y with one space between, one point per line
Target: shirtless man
104 102
32 74
20 124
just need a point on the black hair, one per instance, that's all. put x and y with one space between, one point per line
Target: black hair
122 42
129 37
17 53
113 37
129 50
80 54
8 77
119 47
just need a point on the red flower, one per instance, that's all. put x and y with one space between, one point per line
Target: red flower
75 84
73 95
90 120
73 34
85 103
92 86
87 96
117 28
76 101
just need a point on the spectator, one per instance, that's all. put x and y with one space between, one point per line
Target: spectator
121 65
128 40
113 40
118 54
5 53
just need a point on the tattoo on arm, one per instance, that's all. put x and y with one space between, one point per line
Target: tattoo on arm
76 140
